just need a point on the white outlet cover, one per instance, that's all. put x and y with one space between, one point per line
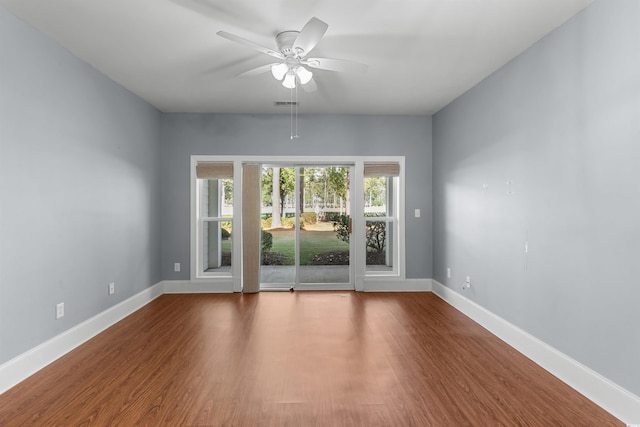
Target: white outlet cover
176 266
448 273
112 288
59 310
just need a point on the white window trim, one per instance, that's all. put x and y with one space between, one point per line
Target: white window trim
234 281
231 282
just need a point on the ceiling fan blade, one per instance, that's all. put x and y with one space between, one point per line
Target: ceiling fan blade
309 36
336 65
249 43
258 70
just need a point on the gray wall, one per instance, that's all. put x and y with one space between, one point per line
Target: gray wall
83 165
562 122
226 134
79 189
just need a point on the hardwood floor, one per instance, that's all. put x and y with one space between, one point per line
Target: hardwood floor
296 359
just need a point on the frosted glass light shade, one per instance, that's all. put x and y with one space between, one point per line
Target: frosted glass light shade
304 75
289 81
279 70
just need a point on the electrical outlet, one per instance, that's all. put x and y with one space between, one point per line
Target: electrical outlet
417 213
112 288
59 310
448 273
176 266
467 282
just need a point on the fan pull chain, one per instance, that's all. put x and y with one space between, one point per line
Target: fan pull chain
297 136
291 111
291 105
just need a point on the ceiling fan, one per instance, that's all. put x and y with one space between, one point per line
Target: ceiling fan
293 48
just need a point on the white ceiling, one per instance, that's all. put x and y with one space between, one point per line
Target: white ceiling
422 54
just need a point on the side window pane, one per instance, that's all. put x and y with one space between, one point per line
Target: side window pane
215 219
216 246
216 197
381 223
379 241
375 196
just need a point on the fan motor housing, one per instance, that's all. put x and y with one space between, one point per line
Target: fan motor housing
285 40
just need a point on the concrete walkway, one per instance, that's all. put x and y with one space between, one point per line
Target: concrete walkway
308 274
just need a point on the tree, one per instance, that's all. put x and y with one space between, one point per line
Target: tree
338 180
374 190
276 205
275 193
301 186
287 185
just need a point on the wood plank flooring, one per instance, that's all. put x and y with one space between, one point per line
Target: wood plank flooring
296 359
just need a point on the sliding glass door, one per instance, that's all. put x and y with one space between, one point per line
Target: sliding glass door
306 227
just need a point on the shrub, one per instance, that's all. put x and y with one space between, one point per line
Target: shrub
288 221
225 234
332 216
341 226
376 236
309 217
376 233
266 241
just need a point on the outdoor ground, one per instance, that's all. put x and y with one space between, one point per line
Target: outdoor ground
318 242
319 245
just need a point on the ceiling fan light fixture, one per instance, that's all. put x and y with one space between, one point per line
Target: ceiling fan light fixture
304 75
289 80
279 70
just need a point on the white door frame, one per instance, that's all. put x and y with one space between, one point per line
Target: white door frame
233 282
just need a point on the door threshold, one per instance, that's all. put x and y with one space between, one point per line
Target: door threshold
310 287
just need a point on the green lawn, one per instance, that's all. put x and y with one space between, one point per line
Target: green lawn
311 243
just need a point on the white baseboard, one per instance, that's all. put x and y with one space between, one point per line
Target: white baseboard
389 284
28 363
198 286
616 400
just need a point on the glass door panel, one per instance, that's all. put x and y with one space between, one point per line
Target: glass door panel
278 216
306 224
325 225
